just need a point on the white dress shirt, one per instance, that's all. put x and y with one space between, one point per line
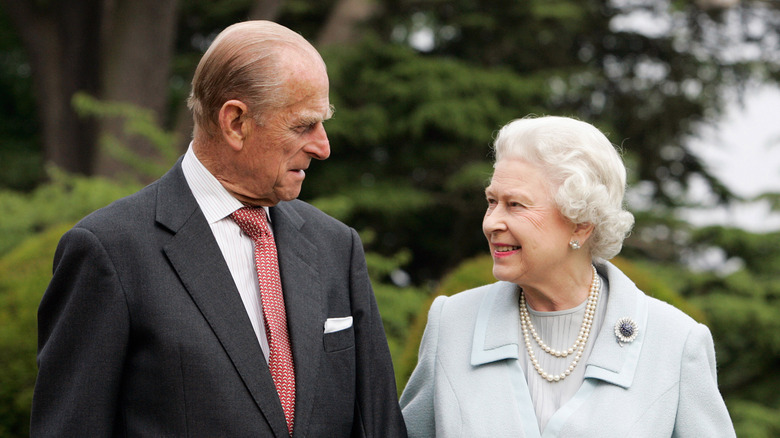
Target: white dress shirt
237 248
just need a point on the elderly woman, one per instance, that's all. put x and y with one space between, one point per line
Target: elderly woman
564 344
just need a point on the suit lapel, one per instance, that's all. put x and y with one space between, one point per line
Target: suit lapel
195 256
303 298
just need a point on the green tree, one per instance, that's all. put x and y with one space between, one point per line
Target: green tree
648 86
410 143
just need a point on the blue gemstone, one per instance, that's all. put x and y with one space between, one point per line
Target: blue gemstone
626 329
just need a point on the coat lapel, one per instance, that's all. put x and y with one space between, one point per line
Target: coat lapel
496 338
195 256
303 298
496 330
609 361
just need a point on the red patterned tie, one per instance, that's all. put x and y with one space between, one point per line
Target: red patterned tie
252 221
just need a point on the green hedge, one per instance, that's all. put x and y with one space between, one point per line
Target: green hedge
24 274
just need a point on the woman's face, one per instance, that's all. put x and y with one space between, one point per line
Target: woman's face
528 236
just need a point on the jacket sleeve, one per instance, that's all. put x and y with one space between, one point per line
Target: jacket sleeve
377 413
417 402
82 338
701 410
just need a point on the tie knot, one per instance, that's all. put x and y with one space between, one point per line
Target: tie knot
252 221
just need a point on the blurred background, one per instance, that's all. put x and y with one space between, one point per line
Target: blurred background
92 107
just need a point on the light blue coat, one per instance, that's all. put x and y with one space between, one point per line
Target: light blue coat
469 383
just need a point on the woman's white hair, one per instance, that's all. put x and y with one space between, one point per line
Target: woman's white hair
586 174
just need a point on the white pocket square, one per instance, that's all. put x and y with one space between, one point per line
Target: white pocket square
337 324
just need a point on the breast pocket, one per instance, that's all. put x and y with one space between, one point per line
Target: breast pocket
338 341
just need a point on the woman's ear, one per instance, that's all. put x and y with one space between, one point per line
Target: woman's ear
582 232
233 120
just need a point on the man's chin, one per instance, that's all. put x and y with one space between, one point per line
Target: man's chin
287 195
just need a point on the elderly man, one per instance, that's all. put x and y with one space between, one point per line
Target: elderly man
212 303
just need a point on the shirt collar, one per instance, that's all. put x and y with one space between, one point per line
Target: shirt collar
214 200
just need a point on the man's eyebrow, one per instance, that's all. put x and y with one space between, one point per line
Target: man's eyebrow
313 118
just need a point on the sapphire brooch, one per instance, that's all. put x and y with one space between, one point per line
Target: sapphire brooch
626 330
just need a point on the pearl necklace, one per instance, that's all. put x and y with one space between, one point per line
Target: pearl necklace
579 344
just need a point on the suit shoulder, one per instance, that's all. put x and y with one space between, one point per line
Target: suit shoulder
313 214
672 316
671 326
470 300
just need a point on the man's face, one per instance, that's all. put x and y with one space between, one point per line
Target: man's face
272 166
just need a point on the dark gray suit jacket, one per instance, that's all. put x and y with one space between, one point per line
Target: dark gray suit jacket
142 331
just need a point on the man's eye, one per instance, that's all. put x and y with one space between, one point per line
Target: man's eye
302 129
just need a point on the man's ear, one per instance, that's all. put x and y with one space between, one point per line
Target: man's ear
233 123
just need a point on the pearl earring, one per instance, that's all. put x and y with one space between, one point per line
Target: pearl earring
575 245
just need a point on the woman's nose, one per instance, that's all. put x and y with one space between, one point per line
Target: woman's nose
493 221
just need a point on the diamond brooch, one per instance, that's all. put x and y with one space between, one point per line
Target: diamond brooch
626 330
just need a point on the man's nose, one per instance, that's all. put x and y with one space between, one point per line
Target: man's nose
319 146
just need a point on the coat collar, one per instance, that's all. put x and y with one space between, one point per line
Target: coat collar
497 331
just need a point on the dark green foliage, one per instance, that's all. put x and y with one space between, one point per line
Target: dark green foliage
411 148
647 89
20 155
67 198
754 420
399 308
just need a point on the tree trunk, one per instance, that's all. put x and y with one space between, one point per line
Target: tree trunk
265 10
63 51
118 50
343 24
137 48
